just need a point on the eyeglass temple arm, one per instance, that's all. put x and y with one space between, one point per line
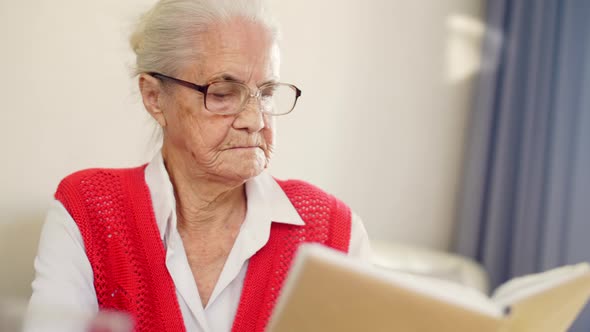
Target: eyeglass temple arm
200 88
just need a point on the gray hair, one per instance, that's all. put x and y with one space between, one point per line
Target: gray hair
167 36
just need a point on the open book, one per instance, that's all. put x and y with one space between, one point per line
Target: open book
327 291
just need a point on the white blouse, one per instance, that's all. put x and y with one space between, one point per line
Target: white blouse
64 298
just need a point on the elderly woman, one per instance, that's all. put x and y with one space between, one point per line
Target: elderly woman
200 238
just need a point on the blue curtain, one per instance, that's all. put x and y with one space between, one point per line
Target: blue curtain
525 203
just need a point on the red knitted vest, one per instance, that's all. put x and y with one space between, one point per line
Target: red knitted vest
113 210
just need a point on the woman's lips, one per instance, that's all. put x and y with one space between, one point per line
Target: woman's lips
243 147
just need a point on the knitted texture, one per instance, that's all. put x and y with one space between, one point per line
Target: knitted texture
114 213
327 221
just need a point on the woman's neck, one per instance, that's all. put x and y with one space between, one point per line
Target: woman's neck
204 203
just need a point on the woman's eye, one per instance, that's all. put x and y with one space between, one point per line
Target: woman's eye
268 92
222 94
219 95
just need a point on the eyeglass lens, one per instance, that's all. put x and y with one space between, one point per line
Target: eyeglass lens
231 97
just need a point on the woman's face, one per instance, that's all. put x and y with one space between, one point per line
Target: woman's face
232 147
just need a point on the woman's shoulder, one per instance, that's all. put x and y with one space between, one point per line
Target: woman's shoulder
99 180
97 173
301 186
304 192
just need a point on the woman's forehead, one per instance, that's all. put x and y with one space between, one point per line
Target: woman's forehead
240 48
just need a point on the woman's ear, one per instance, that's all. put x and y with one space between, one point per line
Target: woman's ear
152 95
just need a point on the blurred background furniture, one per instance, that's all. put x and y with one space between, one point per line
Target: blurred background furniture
428 262
12 310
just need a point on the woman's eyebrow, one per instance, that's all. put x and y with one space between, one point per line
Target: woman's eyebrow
231 78
225 77
269 81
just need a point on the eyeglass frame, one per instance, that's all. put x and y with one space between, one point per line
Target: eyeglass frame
203 89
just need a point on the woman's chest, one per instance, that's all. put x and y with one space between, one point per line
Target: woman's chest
206 303
206 265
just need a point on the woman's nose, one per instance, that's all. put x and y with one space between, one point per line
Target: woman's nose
251 117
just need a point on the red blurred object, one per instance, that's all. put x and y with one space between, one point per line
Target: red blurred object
111 321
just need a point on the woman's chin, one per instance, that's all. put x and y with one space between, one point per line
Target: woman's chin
248 162
245 169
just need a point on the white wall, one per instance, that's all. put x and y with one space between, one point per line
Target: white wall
386 89
386 93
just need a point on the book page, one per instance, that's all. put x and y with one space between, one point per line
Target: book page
551 310
520 288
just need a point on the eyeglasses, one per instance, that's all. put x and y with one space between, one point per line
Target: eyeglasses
227 97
